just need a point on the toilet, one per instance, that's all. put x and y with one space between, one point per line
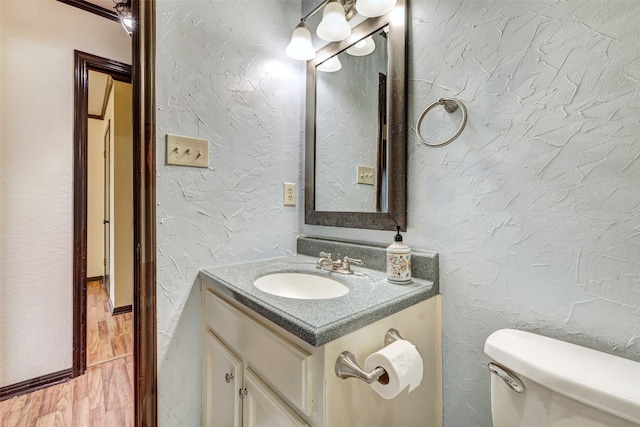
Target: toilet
542 382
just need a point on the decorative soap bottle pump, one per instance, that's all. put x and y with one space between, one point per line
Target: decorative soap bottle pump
398 261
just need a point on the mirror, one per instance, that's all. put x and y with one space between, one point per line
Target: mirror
350 172
355 167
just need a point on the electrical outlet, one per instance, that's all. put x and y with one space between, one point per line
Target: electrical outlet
365 175
289 194
185 151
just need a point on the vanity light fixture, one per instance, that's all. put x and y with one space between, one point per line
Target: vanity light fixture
331 65
123 9
373 8
363 48
300 47
334 26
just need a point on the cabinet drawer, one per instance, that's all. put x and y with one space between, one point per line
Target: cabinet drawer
280 363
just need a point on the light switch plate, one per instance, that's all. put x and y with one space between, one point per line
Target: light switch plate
365 175
186 151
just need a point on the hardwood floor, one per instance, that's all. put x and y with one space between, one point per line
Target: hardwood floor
103 396
108 337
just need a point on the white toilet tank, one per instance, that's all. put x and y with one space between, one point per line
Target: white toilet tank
565 385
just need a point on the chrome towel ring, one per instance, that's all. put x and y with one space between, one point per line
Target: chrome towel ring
450 105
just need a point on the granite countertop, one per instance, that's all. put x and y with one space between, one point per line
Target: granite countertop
317 322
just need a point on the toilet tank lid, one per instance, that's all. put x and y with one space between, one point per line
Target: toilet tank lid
604 381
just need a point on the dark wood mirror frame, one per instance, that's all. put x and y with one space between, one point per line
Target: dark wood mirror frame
396 213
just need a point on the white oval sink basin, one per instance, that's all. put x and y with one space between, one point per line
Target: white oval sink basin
300 286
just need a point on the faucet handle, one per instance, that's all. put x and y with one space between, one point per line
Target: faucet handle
353 261
324 255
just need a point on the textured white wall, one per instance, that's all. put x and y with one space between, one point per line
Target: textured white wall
223 76
535 208
37 39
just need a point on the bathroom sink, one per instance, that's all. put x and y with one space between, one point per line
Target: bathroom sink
300 286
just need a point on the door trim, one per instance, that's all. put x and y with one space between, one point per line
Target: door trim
93 8
144 212
122 310
122 72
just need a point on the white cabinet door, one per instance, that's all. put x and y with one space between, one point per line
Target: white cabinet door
276 360
263 408
221 383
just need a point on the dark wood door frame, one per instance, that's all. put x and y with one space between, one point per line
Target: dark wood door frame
142 74
144 211
122 72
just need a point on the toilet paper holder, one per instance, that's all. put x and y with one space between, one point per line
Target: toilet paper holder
347 365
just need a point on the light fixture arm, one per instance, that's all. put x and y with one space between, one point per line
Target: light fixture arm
350 10
315 10
333 27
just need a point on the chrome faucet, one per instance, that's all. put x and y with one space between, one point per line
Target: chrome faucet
339 266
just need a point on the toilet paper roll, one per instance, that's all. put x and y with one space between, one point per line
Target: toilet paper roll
403 364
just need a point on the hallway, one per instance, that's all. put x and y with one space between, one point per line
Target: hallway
108 337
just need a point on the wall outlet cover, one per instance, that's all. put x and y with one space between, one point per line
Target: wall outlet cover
289 194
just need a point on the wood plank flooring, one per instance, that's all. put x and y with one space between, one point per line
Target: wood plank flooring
108 337
102 397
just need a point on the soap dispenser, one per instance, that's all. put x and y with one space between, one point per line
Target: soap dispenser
398 261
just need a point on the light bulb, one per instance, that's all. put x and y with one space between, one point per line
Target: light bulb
127 23
123 9
300 47
331 65
374 8
363 47
334 26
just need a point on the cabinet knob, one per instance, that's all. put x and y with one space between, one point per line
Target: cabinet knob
243 392
228 377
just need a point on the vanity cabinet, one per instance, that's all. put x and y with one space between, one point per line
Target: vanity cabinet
235 396
235 349
255 373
